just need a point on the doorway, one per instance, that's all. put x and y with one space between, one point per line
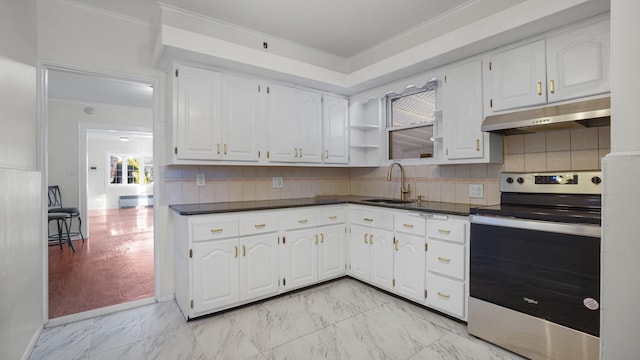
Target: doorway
91 120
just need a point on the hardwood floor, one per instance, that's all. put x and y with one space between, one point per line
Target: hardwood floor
113 266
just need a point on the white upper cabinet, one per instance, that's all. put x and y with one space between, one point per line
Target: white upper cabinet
240 118
578 62
295 125
518 77
335 114
462 111
198 114
572 64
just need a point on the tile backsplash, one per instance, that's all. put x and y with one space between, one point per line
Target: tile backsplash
575 149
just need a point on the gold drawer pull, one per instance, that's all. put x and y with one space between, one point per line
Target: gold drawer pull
446 260
303 221
259 226
216 231
410 226
368 219
444 232
444 296
333 218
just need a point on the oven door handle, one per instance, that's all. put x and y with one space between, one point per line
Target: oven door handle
536 225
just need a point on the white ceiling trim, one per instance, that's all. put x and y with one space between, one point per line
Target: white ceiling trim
106 12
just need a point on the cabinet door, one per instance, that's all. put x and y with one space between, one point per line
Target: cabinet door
301 257
282 123
578 62
359 252
214 274
335 114
331 251
258 266
518 77
309 132
409 266
240 118
198 125
462 111
381 242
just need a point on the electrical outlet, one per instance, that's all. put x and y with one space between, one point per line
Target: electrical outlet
200 179
476 190
277 182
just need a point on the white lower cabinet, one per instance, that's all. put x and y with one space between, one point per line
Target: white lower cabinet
447 262
409 261
258 266
215 274
314 248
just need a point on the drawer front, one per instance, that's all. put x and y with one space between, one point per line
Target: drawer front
212 229
298 219
258 224
410 224
446 259
366 217
332 215
445 295
449 230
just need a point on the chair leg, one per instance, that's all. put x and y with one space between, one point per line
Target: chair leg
59 231
73 248
80 228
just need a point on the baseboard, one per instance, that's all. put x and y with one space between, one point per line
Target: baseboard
32 344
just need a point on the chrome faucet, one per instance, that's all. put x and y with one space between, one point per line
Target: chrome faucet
403 191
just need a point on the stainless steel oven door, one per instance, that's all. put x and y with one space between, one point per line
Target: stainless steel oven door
542 270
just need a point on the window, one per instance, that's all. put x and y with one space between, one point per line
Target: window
410 123
125 169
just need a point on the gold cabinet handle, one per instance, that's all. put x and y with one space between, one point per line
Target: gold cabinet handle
395 244
225 149
371 239
316 235
300 152
477 144
302 221
365 239
321 238
333 218
236 250
368 219
445 260
409 226
260 226
552 87
444 232
539 87
326 154
216 231
444 296
244 250
218 149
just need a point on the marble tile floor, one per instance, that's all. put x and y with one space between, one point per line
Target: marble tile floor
342 319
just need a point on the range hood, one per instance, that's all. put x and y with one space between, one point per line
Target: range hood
583 114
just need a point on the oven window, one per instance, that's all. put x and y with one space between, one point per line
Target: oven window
548 275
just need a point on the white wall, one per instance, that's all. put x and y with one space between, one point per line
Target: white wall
63 120
101 194
21 207
620 320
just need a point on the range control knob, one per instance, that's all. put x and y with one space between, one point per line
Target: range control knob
509 180
520 180
596 180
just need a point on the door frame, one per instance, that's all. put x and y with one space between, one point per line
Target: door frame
43 68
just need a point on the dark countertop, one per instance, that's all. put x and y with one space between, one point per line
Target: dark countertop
226 207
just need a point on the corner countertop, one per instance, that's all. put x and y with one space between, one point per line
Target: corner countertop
227 207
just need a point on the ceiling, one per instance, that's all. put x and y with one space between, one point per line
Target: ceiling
338 27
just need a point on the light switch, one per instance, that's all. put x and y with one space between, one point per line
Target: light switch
476 190
200 179
277 182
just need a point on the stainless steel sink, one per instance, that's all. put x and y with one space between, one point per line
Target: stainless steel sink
389 201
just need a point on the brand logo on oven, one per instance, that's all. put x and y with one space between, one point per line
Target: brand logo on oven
530 301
